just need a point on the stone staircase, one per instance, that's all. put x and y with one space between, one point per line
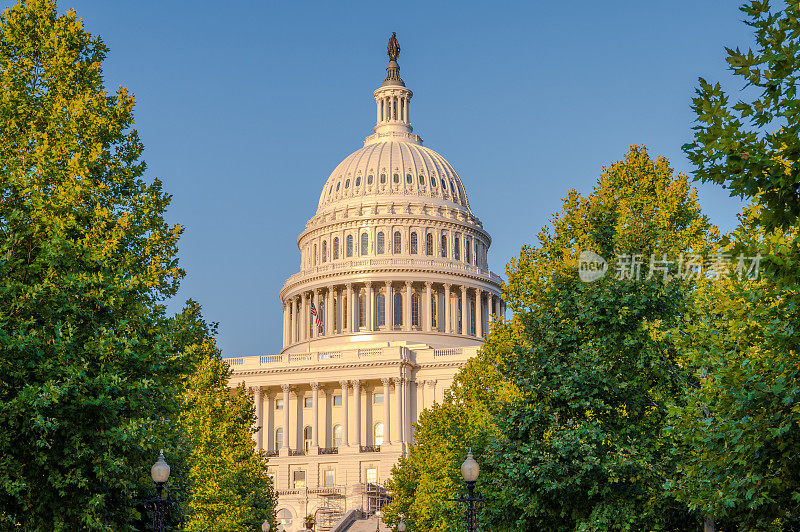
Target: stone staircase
367 525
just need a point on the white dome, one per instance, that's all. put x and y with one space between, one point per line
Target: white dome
394 168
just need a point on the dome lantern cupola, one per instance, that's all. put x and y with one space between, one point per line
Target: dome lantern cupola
393 103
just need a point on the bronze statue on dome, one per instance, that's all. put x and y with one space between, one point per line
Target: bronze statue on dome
393 48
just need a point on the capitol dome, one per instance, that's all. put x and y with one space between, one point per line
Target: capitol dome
393 252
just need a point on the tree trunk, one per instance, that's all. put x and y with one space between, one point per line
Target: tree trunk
708 525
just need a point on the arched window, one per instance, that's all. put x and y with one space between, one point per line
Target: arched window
413 243
324 251
321 317
337 436
415 310
381 243
378 434
409 179
381 310
364 244
278 438
383 179
336 248
444 246
349 245
468 250
307 438
429 244
315 255
358 181
398 309
284 517
456 249
362 310
369 179
396 248
396 178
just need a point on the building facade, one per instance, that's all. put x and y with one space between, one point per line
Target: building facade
394 294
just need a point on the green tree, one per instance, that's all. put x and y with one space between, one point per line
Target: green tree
739 428
90 376
422 483
228 484
752 147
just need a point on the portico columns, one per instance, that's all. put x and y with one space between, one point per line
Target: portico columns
428 307
357 404
478 313
304 320
285 324
259 436
370 307
345 422
295 322
464 313
407 308
387 438
315 427
447 320
285 388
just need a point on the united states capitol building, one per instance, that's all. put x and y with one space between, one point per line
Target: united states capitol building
394 262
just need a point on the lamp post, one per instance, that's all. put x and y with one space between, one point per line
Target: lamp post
401 526
469 472
265 526
159 506
378 514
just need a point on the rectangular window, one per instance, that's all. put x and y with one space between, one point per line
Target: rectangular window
337 400
372 475
377 398
299 479
308 402
278 404
329 478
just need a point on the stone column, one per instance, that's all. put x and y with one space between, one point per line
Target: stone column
447 304
398 392
432 384
350 325
409 436
422 402
329 311
478 313
370 308
464 312
407 309
315 406
304 320
315 300
357 404
428 308
285 326
285 388
389 306
259 436
387 432
345 421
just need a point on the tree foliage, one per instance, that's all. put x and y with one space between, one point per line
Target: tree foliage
228 484
88 371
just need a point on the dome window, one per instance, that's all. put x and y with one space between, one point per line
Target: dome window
349 245
421 179
444 186
347 184
381 243
396 178
383 179
396 247
413 243
358 181
433 182
338 185
369 179
409 179
452 188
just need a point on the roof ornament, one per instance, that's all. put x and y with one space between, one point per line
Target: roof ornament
393 69
393 48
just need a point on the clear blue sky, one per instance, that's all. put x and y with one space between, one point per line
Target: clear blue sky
246 107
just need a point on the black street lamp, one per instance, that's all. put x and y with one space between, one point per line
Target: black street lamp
469 472
159 506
